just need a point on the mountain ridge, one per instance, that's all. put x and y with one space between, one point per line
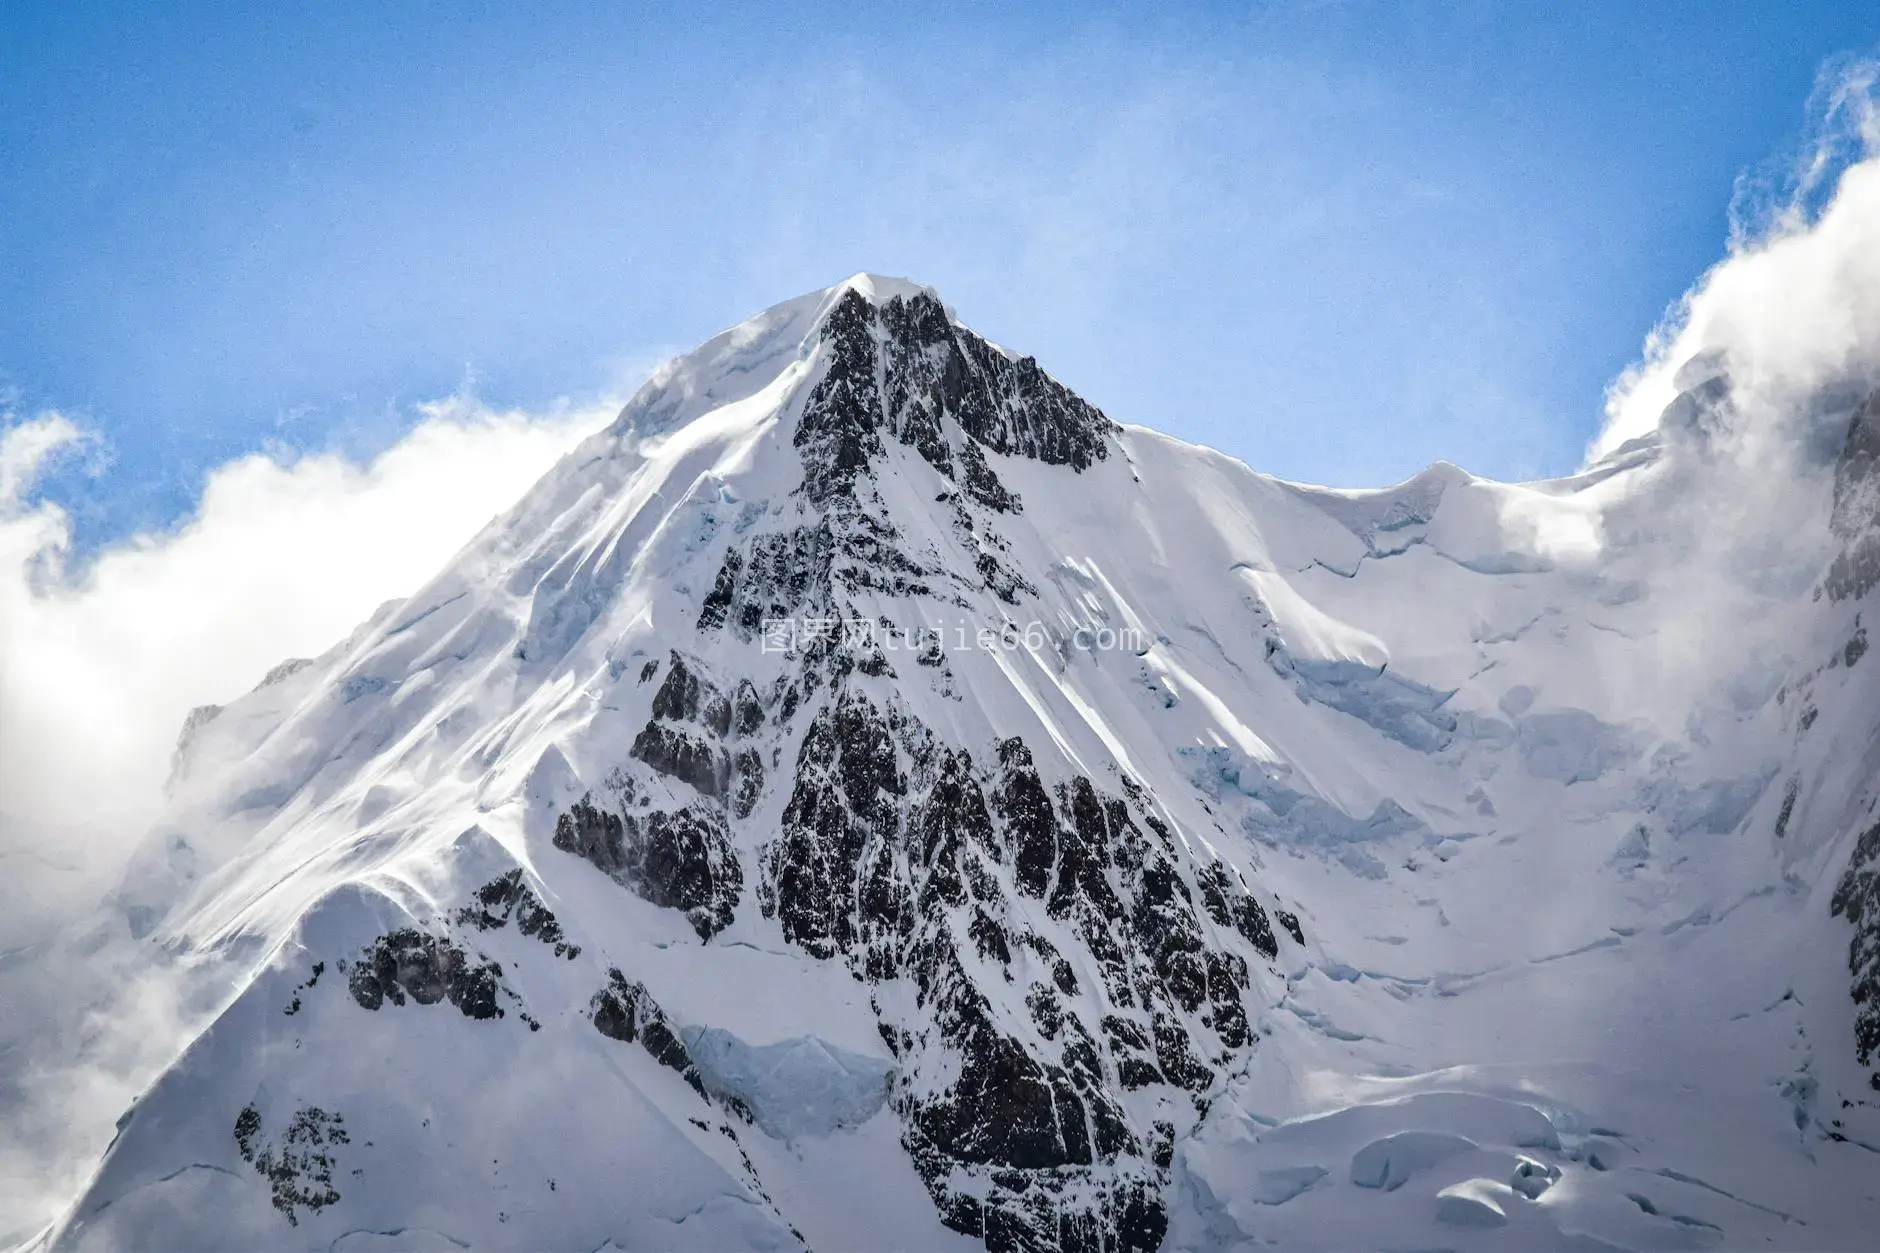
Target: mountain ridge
1053 944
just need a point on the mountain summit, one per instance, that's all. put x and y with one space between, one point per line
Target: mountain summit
869 798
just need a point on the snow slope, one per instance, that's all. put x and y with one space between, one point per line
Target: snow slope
1124 850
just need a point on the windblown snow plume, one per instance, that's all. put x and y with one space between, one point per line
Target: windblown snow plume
1792 316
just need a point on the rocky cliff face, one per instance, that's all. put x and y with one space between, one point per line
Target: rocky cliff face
868 798
1851 578
899 857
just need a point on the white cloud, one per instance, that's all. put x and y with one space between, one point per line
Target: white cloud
99 664
24 451
1795 306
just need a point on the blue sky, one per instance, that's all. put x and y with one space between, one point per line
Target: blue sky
1338 240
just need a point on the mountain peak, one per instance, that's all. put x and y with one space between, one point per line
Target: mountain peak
879 289
742 360
869 356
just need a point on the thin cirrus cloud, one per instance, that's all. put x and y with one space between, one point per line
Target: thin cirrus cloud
1281 233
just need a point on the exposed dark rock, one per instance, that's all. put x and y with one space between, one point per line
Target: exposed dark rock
685 756
1162 1144
1164 922
299 1169
507 898
1290 921
1227 980
717 605
427 969
1005 1107
1229 904
247 1127
901 371
775 575
319 968
983 485
595 834
747 781
839 433
676 860
1175 1054
748 709
887 858
953 826
1047 1011
1003 581
1789 796
684 860
871 557
848 787
678 696
1129 1046
698 756
933 367
1857 898
1071 1210
623 1011
989 936
1083 857
1031 825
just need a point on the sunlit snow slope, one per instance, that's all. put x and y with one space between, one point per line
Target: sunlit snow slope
1457 865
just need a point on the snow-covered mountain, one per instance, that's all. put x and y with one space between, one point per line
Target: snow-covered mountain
867 798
